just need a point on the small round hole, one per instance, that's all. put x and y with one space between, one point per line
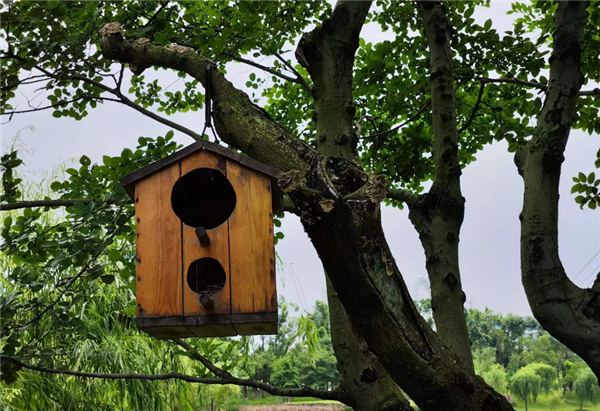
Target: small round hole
203 198
206 276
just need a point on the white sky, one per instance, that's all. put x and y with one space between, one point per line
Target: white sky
489 248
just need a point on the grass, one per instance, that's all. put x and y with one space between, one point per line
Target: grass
569 404
270 400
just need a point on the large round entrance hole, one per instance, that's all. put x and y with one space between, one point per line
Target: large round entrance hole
206 276
203 198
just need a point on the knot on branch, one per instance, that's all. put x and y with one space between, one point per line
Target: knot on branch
179 49
291 181
326 205
111 29
142 41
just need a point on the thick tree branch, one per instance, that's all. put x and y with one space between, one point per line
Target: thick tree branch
404 196
327 53
438 215
365 385
239 122
230 379
567 312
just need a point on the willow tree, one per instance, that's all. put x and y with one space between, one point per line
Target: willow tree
351 125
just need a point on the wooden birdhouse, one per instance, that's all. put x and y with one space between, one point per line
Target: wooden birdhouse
205 251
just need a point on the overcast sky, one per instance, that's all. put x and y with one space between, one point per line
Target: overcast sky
489 247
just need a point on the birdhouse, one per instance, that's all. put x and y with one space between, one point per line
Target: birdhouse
205 246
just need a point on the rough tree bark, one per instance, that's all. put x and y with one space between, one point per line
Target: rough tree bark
365 384
569 313
327 52
438 214
340 209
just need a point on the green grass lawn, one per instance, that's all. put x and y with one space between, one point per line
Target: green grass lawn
569 404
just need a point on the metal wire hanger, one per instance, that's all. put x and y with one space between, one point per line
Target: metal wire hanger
208 106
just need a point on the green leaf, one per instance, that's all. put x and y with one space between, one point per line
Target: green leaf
592 204
591 177
579 199
582 177
85 160
575 188
488 24
107 279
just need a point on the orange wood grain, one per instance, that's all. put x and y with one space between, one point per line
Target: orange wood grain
158 229
218 248
251 248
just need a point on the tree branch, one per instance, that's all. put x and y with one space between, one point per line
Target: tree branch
157 377
51 203
438 217
475 108
226 376
239 122
532 84
328 53
297 80
569 313
59 104
402 195
116 92
301 79
399 126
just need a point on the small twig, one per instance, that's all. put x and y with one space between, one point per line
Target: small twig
299 76
475 108
50 203
391 130
162 6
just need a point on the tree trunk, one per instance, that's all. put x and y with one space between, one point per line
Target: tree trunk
438 215
365 385
567 312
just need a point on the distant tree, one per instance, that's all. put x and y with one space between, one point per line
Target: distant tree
586 387
572 369
483 359
496 378
546 372
526 385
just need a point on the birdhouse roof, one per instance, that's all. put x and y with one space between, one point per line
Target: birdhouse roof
129 181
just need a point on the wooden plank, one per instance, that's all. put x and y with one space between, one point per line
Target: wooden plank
252 252
218 248
158 246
